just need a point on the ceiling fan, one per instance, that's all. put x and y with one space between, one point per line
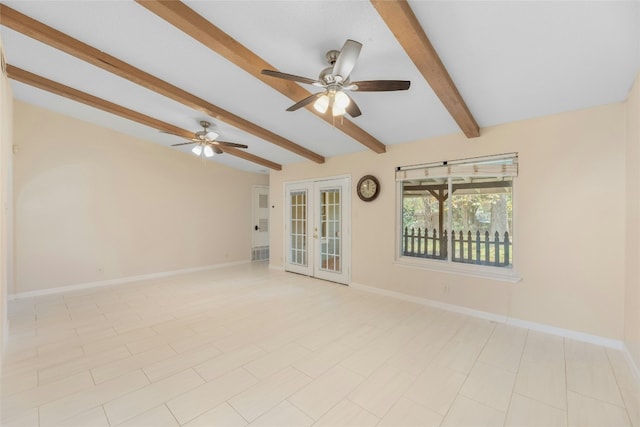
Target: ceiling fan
207 145
335 80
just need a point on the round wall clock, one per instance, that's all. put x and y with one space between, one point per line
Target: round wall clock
368 188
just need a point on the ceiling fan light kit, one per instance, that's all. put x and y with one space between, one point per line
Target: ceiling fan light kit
335 80
321 104
203 150
197 150
337 100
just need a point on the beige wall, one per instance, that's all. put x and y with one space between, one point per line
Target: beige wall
632 289
92 204
569 222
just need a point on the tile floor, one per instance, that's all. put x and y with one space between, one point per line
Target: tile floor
250 346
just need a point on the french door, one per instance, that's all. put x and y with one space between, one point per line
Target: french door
318 229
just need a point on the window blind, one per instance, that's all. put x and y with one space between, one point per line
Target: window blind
498 166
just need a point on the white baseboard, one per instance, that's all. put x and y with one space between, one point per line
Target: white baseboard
540 327
121 280
431 303
632 363
567 333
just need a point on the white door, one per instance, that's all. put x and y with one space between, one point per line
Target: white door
318 229
298 229
260 223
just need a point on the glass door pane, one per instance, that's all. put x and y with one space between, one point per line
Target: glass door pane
330 228
298 245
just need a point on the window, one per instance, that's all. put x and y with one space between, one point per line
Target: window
459 215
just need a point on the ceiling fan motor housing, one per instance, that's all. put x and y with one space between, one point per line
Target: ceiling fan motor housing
326 76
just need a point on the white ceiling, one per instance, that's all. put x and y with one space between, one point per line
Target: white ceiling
511 60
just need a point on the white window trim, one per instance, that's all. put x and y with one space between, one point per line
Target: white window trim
447 266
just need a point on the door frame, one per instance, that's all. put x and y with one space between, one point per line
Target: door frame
313 253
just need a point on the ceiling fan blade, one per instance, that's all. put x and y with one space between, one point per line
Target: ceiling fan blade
286 76
379 85
352 109
346 60
306 101
230 144
182 143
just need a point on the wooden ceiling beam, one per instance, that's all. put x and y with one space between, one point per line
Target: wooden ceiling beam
43 83
237 152
40 82
196 26
45 34
402 22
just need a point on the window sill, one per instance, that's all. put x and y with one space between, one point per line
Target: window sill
493 273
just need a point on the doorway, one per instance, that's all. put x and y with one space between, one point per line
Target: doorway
318 229
260 223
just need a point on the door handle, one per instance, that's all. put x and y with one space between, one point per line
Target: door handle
256 228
